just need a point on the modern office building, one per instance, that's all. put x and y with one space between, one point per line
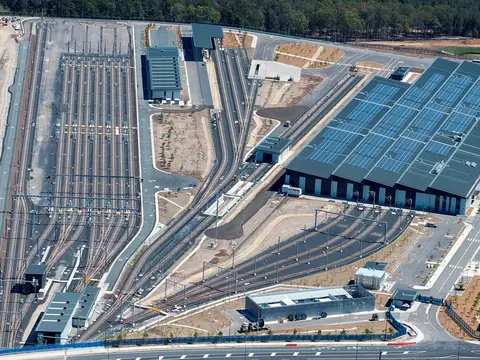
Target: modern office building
412 146
319 302
164 80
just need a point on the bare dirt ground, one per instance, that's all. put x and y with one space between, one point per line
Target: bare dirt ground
236 40
280 94
183 143
283 219
432 44
291 60
171 203
8 64
260 127
304 50
370 327
467 305
327 58
393 254
370 64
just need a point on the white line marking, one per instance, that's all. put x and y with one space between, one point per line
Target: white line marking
273 354
228 355
138 358
250 355
384 352
160 357
205 356
295 354
183 356
405 352
318 353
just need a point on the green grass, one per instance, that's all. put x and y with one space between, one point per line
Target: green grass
463 50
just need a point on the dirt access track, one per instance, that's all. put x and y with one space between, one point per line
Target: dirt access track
431 44
237 40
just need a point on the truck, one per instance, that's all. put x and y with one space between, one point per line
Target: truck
287 123
291 190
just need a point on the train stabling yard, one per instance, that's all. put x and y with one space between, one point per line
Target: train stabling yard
77 201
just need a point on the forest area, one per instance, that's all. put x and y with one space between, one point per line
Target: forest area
337 20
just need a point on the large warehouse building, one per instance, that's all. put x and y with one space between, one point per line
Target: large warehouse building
319 302
164 80
413 146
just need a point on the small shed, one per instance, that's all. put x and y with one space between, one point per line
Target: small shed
272 150
400 73
404 298
375 265
34 276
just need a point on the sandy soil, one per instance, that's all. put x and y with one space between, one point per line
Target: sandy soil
8 64
171 203
354 328
291 60
283 219
183 143
327 58
432 44
370 64
304 50
260 127
235 40
280 94
393 254
467 305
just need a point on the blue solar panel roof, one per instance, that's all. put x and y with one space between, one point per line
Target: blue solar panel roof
421 136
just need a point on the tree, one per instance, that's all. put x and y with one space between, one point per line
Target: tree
119 337
269 332
145 334
343 332
220 333
195 334
368 331
295 331
319 332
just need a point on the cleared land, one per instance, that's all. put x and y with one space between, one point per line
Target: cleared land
171 203
467 305
393 254
369 64
432 44
260 127
8 64
236 40
280 94
307 55
183 143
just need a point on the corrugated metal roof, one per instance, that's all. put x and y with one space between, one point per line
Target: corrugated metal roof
291 296
405 295
164 68
401 71
59 312
375 265
204 33
274 144
36 269
87 300
421 136
163 37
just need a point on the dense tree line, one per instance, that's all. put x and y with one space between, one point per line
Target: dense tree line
335 19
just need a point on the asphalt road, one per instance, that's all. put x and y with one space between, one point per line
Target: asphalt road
280 351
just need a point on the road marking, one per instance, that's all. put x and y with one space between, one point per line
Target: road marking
228 355
250 355
318 353
273 354
183 356
160 357
384 352
139 358
205 356
295 354
405 352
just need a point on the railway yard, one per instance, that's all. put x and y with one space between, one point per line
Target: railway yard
91 196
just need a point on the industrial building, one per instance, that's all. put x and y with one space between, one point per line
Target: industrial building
34 275
164 80
272 150
400 73
86 306
163 37
370 278
319 302
203 35
56 322
403 298
396 144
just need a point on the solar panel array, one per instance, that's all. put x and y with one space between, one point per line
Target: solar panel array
395 133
